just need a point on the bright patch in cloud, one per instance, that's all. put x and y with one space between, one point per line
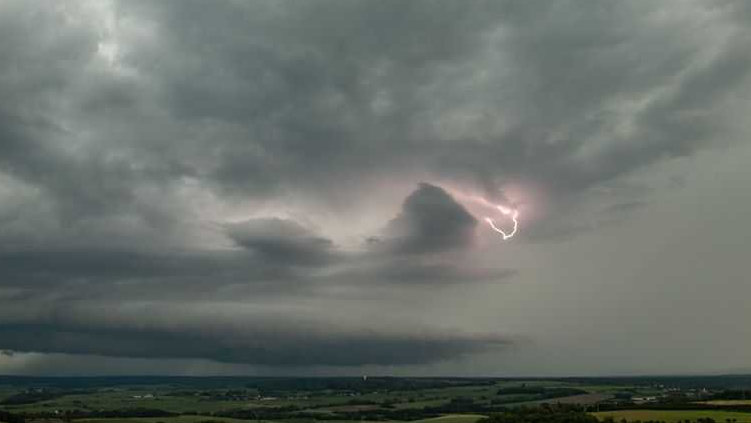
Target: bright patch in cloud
513 214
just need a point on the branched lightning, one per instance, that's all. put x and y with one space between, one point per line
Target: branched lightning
508 212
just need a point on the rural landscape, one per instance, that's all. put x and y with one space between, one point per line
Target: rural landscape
719 399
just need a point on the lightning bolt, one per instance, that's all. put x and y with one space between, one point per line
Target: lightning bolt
507 212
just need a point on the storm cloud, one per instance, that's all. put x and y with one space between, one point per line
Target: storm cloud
239 337
283 241
431 221
289 183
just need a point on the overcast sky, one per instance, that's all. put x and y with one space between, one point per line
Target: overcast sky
302 187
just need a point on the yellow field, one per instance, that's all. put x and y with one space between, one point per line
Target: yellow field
728 402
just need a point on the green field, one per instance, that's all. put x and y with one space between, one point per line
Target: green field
124 399
453 418
346 400
168 398
178 419
728 402
674 415
162 398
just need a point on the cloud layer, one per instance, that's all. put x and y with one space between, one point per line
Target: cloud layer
189 304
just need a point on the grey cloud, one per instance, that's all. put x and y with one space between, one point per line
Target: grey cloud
430 221
624 207
319 98
442 273
406 272
273 255
282 241
242 338
294 349
276 259
57 266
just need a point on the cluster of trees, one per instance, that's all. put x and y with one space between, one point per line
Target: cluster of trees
291 412
324 386
521 389
665 404
733 394
540 391
456 405
699 420
544 414
683 382
532 393
101 414
29 397
33 395
11 418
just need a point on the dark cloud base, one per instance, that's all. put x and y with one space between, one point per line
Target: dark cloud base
83 317
259 347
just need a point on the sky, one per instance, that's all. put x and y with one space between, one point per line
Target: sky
302 188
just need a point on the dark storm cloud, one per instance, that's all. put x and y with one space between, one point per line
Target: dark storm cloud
313 91
296 350
37 269
41 56
430 221
300 93
269 250
65 177
68 289
130 135
282 241
159 332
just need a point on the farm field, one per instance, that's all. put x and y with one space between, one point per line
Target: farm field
350 400
584 399
671 416
453 418
728 402
173 399
177 419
